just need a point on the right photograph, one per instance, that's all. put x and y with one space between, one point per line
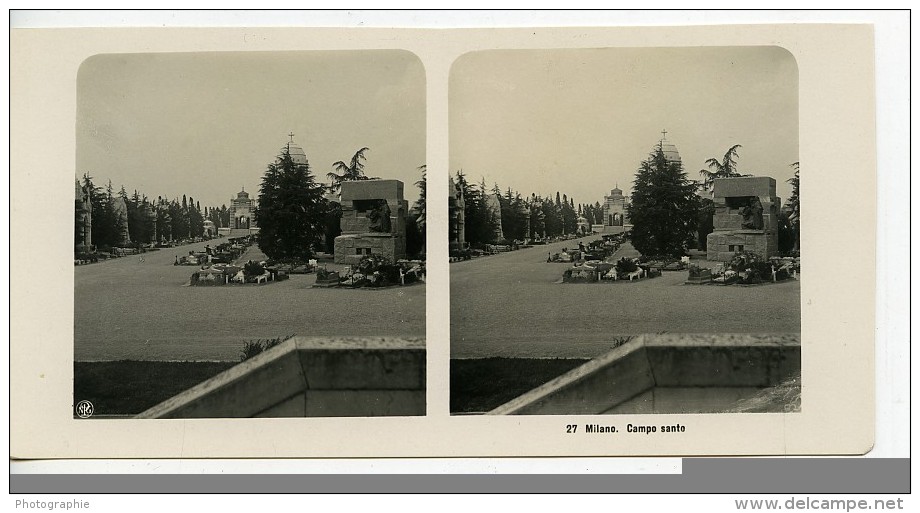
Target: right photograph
624 231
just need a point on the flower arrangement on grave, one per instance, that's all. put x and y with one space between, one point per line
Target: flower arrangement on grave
750 268
626 265
411 272
252 269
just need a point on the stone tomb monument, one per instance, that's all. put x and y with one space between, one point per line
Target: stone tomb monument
373 221
745 217
494 206
121 217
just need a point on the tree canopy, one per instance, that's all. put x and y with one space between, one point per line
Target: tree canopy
352 171
522 217
292 211
664 209
148 220
726 168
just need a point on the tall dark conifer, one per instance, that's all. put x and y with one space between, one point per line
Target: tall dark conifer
664 209
291 211
794 218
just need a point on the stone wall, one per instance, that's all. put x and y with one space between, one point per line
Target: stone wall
721 246
347 246
667 367
312 377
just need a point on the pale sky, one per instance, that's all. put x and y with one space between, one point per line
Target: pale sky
580 121
207 124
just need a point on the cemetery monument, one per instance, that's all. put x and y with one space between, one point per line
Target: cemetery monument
745 218
373 221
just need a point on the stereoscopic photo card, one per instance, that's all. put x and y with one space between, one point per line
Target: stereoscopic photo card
641 241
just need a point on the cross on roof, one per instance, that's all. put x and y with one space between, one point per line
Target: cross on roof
664 134
291 135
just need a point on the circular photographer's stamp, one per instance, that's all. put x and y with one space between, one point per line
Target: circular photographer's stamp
84 409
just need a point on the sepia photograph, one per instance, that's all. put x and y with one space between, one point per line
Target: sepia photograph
620 267
624 231
249 235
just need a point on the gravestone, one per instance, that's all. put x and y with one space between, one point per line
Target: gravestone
373 221
745 218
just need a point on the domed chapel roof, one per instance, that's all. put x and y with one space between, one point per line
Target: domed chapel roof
670 151
297 154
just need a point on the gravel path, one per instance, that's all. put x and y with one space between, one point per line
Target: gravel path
514 305
141 308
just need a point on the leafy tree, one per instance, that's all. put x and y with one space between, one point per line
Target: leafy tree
726 168
352 171
664 209
291 212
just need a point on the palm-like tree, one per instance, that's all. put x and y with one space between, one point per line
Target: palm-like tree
352 171
726 168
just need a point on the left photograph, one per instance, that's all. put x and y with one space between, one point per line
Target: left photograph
249 235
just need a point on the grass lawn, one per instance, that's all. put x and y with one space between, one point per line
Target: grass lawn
513 305
480 385
141 308
132 386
